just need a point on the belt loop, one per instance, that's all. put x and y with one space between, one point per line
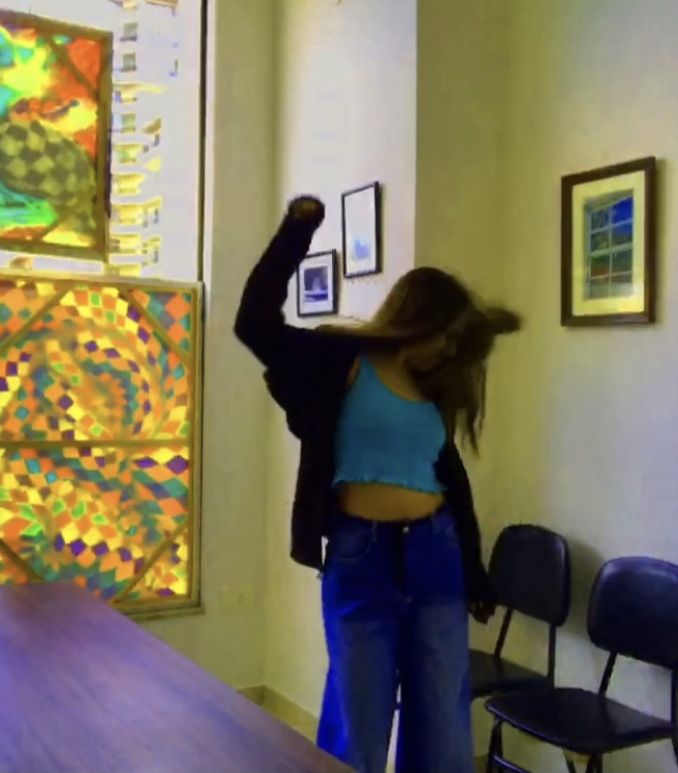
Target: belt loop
375 527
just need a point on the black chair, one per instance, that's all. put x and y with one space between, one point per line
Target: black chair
530 573
633 612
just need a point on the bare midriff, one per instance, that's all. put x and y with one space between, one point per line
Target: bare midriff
385 502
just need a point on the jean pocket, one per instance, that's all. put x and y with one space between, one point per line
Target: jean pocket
350 542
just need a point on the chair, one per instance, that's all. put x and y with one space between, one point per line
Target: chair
530 573
633 612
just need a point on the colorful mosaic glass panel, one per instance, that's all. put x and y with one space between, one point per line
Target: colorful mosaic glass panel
97 412
173 311
92 367
167 577
55 96
19 302
10 572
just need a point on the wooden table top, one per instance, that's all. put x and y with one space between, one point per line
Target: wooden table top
84 689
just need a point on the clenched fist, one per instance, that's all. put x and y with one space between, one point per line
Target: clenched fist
307 208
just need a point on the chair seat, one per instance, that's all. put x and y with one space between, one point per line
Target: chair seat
578 721
491 675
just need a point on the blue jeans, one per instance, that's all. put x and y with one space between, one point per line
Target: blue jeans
395 615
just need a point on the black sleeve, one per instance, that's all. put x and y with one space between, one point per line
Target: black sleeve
288 353
478 586
466 516
260 322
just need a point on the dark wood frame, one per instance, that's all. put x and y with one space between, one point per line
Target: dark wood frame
99 252
568 318
377 230
334 282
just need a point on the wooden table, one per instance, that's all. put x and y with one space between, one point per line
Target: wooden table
84 689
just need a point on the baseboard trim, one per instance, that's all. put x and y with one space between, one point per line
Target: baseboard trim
284 709
299 719
254 694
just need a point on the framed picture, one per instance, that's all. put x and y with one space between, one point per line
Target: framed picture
55 120
361 230
608 245
317 291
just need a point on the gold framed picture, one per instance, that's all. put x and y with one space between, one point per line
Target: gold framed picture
608 245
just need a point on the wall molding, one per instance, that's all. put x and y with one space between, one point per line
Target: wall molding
299 719
283 708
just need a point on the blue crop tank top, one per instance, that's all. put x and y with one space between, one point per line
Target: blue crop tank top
384 438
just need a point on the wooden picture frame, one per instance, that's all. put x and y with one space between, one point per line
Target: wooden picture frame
361 231
317 285
608 243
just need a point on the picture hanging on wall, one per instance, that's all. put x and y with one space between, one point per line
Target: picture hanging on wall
317 287
361 231
55 105
608 245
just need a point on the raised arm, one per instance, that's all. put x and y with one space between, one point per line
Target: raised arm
260 323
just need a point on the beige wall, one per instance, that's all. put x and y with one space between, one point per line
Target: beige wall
507 98
346 114
229 642
460 206
582 423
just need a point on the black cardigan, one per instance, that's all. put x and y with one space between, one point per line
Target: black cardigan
306 373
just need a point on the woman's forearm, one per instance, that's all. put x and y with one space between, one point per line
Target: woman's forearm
260 321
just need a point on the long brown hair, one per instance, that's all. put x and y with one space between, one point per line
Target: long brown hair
423 304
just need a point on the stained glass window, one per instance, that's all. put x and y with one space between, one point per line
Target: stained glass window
55 97
98 438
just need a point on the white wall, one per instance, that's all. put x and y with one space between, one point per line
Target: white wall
581 433
461 206
589 417
229 643
460 164
346 115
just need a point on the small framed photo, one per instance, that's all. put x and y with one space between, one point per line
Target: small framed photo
317 287
608 245
361 230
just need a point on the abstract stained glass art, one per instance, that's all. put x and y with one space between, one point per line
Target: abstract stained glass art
98 437
55 105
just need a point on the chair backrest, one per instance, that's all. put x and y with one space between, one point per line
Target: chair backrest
530 573
633 610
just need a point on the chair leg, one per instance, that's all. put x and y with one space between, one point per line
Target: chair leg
571 767
500 741
496 747
595 764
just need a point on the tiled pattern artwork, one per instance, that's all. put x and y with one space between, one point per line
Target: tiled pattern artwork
97 420
55 97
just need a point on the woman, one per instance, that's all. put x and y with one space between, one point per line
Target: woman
376 409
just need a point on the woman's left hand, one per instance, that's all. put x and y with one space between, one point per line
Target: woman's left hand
482 611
